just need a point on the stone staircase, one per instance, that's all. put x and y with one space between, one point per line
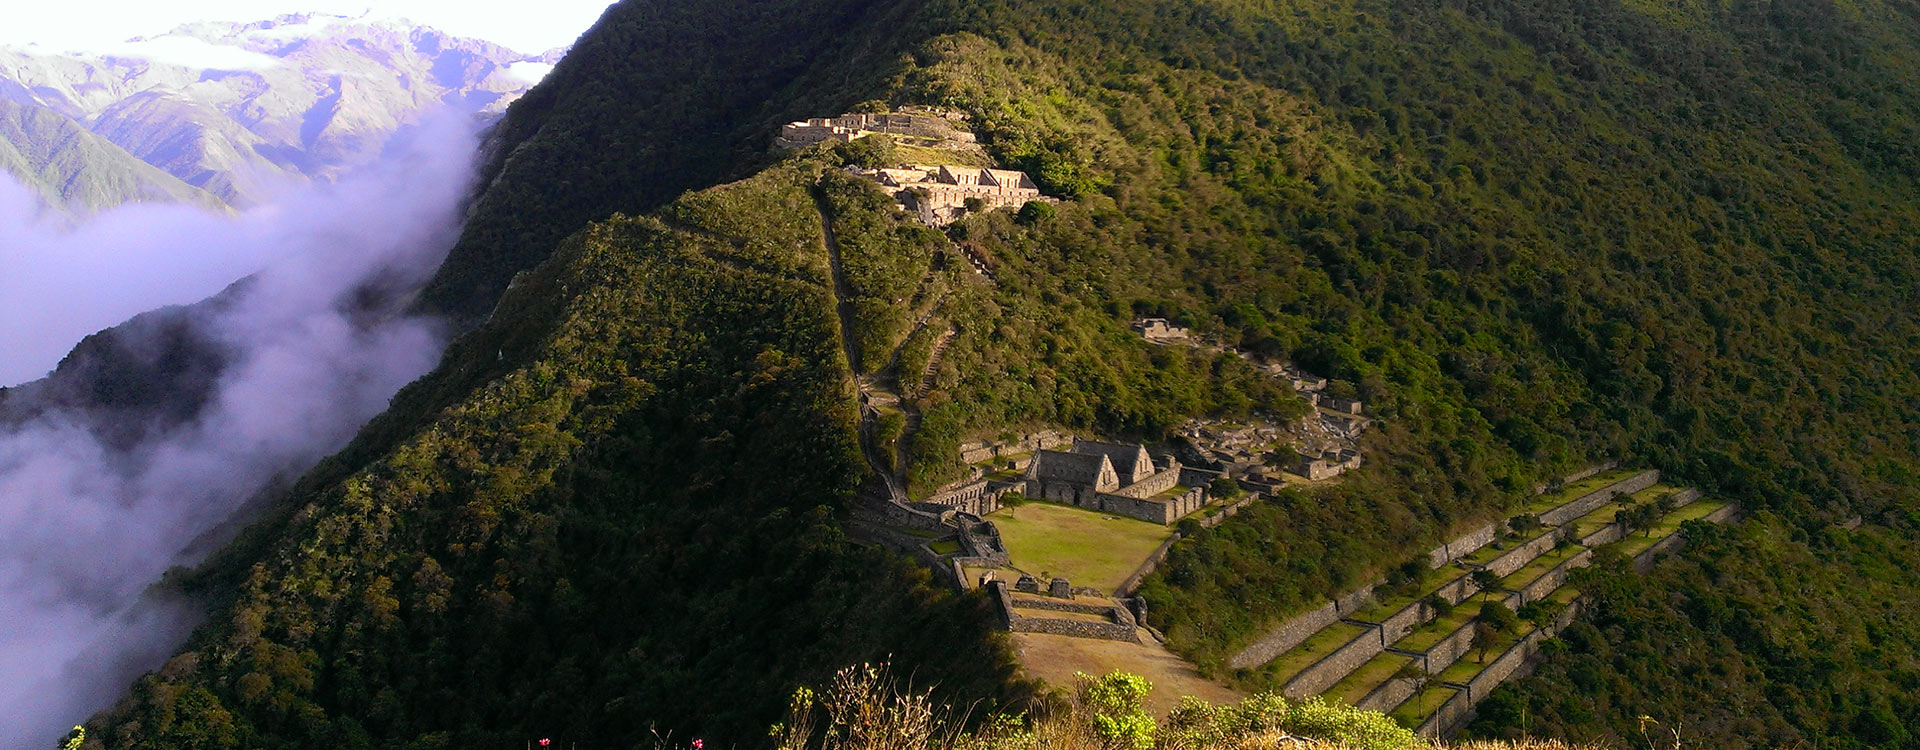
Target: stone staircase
928 373
1395 651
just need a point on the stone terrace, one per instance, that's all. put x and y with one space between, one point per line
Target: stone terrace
1357 649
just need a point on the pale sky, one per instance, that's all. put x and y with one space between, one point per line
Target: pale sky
525 26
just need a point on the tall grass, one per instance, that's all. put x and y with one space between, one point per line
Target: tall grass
865 708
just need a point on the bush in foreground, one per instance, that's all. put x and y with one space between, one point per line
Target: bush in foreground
865 709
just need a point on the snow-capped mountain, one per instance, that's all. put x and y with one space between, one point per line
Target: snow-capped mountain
236 109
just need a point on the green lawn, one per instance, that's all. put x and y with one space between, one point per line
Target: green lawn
1088 547
1370 675
1417 708
948 547
1312 650
1540 565
1573 491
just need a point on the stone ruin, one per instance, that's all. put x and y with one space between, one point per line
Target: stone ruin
1326 465
939 193
1116 478
936 128
1159 331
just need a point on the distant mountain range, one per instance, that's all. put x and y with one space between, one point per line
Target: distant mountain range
220 113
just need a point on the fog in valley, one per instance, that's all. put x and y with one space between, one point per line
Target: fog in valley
89 525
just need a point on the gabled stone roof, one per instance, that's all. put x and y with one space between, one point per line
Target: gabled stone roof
1130 461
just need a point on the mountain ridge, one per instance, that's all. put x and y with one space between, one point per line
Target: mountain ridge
242 110
1471 213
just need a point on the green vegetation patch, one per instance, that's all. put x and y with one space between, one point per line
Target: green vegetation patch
1088 547
946 547
1370 675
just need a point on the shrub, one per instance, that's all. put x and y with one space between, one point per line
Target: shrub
1114 704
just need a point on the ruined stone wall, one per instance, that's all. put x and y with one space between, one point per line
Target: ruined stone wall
1540 588
1228 511
981 539
1518 557
960 495
1194 476
1685 497
1591 501
1462 546
1105 631
894 514
976 452
1283 638
1335 666
1722 515
1117 613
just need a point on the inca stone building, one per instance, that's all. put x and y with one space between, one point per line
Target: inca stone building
1115 478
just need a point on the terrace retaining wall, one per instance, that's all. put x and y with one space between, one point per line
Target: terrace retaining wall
1461 546
1335 666
1402 622
1450 714
1388 695
1283 638
1591 501
1544 586
1518 557
1541 489
1299 628
1457 590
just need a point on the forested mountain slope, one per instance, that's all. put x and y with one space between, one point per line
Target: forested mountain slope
1528 234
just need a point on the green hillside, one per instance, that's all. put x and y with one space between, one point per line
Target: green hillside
71 168
1528 235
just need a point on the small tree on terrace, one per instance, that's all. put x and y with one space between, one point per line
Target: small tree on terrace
1495 618
1485 581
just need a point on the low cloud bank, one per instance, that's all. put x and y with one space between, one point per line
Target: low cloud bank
86 529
